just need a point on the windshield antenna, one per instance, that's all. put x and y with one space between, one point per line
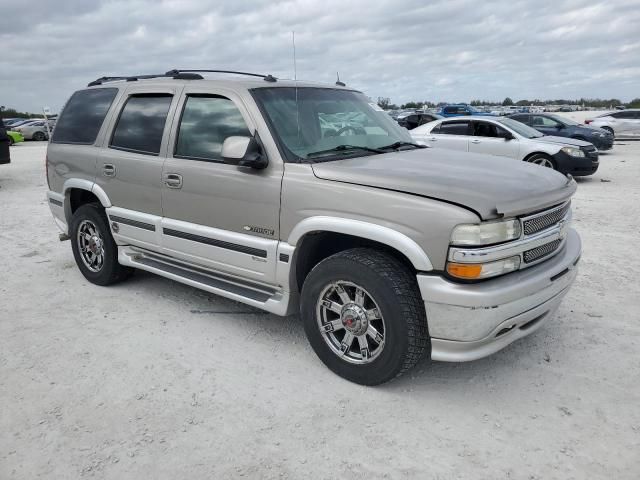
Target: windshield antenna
295 79
295 69
338 82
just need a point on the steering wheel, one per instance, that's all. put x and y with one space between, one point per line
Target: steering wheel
346 129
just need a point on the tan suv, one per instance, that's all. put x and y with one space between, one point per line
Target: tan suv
299 197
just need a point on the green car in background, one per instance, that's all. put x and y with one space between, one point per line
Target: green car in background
14 137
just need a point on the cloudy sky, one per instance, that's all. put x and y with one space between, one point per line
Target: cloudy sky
454 50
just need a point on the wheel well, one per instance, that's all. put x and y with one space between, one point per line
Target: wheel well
316 246
79 197
526 159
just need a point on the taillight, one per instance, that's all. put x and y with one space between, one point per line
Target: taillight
587 122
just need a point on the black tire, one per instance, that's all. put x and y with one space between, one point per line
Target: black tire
394 289
39 136
11 141
110 271
539 157
610 130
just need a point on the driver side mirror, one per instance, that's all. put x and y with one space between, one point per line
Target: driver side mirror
559 126
244 152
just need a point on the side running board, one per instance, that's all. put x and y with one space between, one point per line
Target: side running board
267 298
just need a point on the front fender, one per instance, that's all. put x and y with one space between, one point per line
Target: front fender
358 228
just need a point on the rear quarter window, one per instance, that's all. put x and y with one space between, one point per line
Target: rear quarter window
83 115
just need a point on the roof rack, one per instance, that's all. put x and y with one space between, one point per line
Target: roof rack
134 78
267 78
179 75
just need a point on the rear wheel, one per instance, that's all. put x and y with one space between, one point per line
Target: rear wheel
94 249
11 141
608 129
542 160
364 316
39 136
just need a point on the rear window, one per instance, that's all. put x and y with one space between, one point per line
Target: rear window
83 115
141 124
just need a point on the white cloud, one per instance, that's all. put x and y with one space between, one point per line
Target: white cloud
454 50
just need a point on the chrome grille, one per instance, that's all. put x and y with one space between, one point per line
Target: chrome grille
544 220
541 251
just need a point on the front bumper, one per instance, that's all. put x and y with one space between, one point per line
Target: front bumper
577 166
471 321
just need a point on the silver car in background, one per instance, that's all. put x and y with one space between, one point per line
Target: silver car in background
620 123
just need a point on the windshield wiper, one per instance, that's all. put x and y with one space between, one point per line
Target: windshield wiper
344 148
397 145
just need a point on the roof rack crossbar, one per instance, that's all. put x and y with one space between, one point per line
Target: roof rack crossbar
267 78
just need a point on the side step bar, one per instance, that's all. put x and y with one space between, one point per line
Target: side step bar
260 296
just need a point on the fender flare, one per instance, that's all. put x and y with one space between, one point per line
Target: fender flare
88 185
371 231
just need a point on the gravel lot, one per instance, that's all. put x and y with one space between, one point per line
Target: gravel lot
153 379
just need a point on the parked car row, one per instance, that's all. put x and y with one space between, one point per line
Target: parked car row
505 137
29 129
545 139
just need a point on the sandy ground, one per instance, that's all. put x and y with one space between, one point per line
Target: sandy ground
153 379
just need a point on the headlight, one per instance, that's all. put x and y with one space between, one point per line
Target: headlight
477 271
574 152
486 233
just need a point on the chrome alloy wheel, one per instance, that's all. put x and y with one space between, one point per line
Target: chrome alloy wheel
542 161
91 245
350 322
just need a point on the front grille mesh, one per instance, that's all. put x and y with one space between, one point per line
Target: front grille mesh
541 251
537 224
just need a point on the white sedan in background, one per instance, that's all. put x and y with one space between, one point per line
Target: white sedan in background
620 123
508 138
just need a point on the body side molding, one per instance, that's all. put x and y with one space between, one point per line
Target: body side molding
358 228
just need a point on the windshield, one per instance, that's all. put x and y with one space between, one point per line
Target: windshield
324 119
520 128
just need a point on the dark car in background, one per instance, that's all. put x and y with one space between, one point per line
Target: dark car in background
558 126
415 119
4 144
461 110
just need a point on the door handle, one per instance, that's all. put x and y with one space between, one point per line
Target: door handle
173 180
108 170
475 141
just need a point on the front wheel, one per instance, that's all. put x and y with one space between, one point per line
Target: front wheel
39 136
542 160
364 316
94 249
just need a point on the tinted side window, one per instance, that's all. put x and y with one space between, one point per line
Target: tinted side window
454 128
522 118
540 121
206 122
83 115
623 115
141 123
485 129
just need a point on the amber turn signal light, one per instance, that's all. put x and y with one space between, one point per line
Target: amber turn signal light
464 270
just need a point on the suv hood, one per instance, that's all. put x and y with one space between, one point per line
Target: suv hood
563 141
489 185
